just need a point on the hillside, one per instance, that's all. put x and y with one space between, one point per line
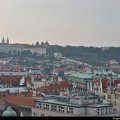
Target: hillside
91 55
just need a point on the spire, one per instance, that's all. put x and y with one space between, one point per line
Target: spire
3 40
7 41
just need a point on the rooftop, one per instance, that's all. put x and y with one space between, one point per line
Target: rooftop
20 100
54 101
14 89
82 75
11 78
104 72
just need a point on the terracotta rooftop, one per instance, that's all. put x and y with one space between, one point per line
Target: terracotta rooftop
11 78
26 94
105 83
60 85
20 100
116 82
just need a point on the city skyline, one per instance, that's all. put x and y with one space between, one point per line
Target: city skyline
61 22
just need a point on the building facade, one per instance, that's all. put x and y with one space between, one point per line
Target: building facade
6 47
52 107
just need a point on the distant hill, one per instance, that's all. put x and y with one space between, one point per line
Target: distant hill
92 55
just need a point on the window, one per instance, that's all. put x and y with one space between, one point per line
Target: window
38 105
85 98
102 110
61 109
98 111
53 107
106 110
69 110
110 110
46 106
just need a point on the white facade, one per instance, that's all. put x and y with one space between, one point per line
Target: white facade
39 51
11 47
6 47
14 73
38 84
57 55
52 107
113 62
35 71
117 98
14 90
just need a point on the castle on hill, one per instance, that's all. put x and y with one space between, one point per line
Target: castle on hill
6 47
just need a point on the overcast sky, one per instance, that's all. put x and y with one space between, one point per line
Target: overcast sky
61 22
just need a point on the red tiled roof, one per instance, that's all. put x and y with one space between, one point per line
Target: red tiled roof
116 82
20 100
11 78
26 94
105 83
60 85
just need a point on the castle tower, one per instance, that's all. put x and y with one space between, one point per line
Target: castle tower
3 40
7 41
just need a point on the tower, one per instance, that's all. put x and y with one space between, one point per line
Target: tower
37 44
7 41
3 40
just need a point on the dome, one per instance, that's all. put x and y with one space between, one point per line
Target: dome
9 112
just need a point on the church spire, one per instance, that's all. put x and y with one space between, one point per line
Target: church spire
3 40
7 40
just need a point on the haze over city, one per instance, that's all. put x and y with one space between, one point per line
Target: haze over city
62 22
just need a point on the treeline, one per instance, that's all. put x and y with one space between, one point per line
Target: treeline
92 55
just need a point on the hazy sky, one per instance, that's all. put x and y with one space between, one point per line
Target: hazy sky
63 22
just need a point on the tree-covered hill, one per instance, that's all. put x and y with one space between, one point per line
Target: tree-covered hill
92 55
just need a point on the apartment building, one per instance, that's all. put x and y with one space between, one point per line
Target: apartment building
62 106
117 98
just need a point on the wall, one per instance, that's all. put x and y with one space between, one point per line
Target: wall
38 84
25 111
48 113
14 73
11 47
39 51
79 111
92 111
